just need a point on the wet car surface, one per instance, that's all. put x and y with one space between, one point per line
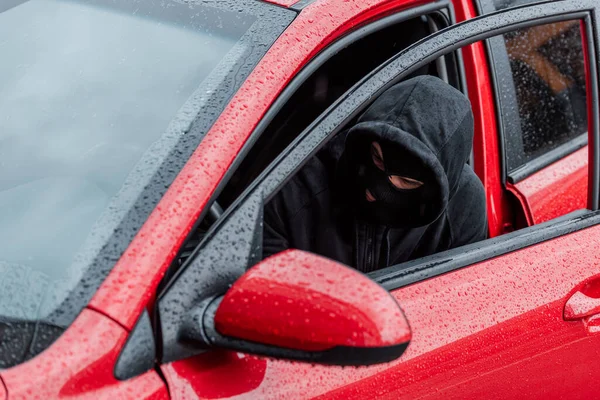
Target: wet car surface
136 162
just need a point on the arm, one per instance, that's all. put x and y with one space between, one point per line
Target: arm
274 233
469 215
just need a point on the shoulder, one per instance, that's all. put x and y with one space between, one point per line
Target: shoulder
308 185
467 213
470 192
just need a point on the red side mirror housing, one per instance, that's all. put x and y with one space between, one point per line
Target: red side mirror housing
298 305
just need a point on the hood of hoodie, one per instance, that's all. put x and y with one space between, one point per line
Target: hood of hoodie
427 119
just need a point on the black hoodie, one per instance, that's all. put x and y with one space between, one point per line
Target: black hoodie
426 118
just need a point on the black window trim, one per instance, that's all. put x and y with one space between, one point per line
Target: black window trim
307 71
546 159
394 277
398 276
300 5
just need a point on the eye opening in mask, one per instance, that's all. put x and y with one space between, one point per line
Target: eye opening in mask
397 181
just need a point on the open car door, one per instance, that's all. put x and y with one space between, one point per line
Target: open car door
517 316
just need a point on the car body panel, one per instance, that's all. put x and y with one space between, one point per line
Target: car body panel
466 343
283 3
557 189
80 364
3 394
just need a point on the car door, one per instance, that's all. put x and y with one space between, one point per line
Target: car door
514 316
539 75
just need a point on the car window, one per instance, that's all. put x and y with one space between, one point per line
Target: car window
548 74
540 74
101 103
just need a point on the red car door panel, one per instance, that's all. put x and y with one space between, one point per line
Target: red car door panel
556 190
80 364
491 329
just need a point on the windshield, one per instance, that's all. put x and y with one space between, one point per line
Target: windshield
95 97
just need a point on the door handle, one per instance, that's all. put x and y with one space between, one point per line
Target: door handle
584 302
580 306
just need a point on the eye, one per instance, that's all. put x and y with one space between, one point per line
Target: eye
377 159
400 182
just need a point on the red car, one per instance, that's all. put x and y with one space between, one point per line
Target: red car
140 140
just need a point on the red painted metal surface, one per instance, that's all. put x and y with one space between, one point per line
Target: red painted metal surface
3 394
281 300
584 302
474 330
215 375
485 142
283 3
558 189
580 306
80 364
134 279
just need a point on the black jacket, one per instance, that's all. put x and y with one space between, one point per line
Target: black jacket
425 116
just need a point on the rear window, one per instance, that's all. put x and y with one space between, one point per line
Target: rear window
541 88
101 103
548 70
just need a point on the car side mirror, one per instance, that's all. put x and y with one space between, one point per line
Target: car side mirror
300 306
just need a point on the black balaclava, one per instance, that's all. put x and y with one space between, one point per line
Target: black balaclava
393 207
425 128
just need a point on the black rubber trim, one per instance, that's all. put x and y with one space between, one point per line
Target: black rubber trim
304 75
593 38
138 355
300 5
492 51
401 275
548 158
480 7
500 71
340 355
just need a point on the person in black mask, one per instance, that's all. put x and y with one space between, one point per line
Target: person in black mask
394 187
